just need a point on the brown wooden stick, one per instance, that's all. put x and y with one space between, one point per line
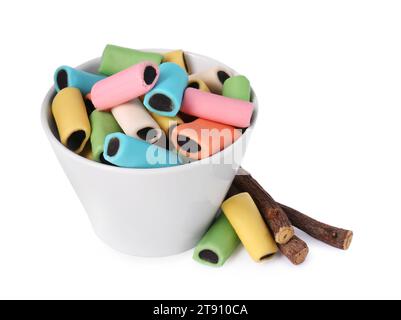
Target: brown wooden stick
336 237
296 250
274 216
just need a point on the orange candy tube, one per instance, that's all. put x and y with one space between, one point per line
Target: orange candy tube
202 138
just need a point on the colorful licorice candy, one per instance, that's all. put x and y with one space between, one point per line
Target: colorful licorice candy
71 119
116 59
124 86
214 78
202 138
165 97
199 84
167 123
136 121
66 76
218 244
177 57
237 87
103 123
234 112
128 152
248 223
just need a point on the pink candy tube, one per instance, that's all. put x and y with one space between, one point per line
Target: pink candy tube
124 86
205 105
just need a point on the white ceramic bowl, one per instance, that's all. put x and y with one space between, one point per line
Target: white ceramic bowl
149 212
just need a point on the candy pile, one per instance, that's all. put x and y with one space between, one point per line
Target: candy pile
146 110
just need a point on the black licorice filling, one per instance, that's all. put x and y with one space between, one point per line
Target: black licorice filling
149 75
209 256
114 145
194 85
148 134
75 140
223 76
188 145
161 102
62 79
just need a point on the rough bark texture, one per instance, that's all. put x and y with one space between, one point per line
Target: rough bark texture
296 250
273 214
336 237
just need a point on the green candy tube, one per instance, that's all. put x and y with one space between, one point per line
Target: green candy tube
116 59
237 87
103 123
218 244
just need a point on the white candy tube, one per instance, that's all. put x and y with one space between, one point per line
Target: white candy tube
136 122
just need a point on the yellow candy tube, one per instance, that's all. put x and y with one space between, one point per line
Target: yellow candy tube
166 123
72 121
177 57
197 83
248 223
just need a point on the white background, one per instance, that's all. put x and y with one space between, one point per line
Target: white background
328 77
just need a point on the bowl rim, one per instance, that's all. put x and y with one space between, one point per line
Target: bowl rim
46 104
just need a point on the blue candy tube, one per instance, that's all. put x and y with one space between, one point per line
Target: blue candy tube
69 77
128 152
166 96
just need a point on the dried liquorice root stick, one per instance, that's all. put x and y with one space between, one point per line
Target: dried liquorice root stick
273 214
336 237
296 250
